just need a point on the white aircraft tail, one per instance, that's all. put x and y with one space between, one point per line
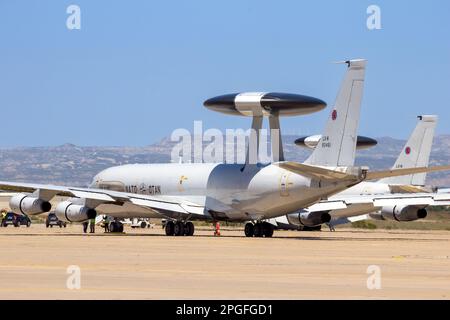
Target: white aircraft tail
416 152
337 146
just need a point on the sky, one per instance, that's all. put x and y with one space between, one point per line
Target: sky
137 70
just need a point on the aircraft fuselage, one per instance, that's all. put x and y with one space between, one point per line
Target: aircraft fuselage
227 191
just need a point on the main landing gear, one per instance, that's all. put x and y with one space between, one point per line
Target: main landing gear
258 230
179 228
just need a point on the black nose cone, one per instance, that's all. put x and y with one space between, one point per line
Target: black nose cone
365 142
224 103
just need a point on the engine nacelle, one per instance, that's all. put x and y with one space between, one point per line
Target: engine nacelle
29 205
403 213
309 219
70 212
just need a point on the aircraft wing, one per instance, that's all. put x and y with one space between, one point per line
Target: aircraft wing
158 203
345 220
350 206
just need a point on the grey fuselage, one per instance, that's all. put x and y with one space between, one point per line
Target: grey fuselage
225 190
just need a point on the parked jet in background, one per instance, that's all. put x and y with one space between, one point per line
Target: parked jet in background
415 153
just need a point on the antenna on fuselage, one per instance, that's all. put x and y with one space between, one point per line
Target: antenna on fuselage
259 105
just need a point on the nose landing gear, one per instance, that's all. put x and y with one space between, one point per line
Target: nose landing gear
116 227
258 230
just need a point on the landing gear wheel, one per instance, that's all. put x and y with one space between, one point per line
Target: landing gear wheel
169 228
258 230
179 229
143 224
249 229
267 230
189 229
116 227
112 227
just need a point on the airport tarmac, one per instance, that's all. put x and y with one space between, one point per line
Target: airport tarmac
145 264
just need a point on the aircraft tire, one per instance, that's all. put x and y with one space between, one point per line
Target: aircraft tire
249 229
258 232
179 229
169 228
115 227
189 229
267 230
112 227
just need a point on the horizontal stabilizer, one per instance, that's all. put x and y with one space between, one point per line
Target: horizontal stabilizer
318 172
405 171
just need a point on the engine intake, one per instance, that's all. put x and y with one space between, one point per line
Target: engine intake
309 219
29 205
404 213
70 212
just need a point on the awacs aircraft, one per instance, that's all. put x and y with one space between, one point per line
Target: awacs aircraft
368 199
233 192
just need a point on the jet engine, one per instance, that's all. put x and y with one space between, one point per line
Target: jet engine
309 219
27 204
71 212
403 213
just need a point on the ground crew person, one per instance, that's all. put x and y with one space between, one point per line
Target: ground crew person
106 224
85 225
3 217
217 229
92 225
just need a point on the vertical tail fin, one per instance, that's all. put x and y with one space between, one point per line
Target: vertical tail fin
338 143
416 152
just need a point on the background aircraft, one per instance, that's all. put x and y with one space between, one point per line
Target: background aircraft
415 153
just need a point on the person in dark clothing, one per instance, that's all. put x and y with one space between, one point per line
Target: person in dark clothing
85 226
92 225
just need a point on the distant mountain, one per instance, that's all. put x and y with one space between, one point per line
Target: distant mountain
73 165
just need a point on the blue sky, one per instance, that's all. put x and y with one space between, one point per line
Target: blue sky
139 69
